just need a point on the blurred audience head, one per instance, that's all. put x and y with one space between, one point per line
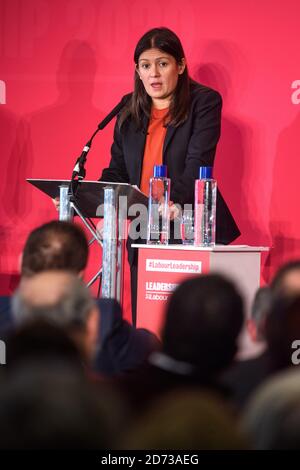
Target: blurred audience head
282 329
272 417
188 420
41 341
49 405
203 320
62 299
287 280
56 245
283 322
259 311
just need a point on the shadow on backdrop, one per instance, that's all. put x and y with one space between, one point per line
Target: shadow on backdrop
45 144
284 204
219 63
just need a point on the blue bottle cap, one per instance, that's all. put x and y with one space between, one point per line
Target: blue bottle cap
205 172
160 171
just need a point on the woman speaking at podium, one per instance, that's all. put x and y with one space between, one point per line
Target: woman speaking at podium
172 120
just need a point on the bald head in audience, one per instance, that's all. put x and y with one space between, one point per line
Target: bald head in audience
56 245
287 280
283 320
60 298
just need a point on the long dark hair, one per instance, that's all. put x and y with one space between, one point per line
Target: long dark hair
166 41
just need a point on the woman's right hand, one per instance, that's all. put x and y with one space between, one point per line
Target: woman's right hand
56 202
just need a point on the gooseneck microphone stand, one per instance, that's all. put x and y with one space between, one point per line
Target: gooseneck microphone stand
68 194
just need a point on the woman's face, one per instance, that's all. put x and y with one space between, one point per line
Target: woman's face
159 73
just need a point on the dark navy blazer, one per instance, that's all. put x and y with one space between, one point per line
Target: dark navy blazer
186 148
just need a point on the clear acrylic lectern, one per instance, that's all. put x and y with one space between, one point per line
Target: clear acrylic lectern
98 199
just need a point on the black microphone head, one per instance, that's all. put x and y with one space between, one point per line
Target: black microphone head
115 111
126 98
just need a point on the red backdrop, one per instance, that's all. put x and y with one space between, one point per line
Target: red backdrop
65 63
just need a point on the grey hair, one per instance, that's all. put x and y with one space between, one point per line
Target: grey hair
71 310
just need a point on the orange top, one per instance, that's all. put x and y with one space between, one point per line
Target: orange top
153 153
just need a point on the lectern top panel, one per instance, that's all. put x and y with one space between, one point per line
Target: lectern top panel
89 195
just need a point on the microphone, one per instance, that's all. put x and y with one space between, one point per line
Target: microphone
79 169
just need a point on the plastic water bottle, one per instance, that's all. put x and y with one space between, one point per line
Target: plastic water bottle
205 208
158 229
